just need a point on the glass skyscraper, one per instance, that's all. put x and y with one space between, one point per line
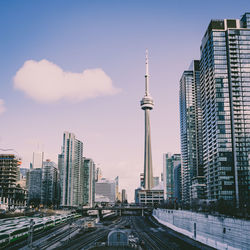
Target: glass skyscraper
87 182
35 186
69 164
49 190
191 132
169 164
225 101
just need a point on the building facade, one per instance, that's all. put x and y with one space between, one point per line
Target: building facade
37 160
177 183
169 164
69 164
124 196
11 194
98 174
156 181
117 188
141 179
150 197
35 187
225 101
105 190
22 178
136 198
87 182
191 130
49 192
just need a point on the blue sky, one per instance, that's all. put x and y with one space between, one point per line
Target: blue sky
111 36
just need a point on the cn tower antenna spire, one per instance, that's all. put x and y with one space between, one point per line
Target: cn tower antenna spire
147 104
146 76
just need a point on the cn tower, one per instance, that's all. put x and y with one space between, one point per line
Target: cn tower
147 104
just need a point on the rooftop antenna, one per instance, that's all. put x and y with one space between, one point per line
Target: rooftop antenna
146 76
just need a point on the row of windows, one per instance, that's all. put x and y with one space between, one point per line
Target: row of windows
217 57
220 52
237 32
243 42
241 51
242 55
240 46
219 48
215 43
218 33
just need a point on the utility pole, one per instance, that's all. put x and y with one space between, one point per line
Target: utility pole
31 233
70 223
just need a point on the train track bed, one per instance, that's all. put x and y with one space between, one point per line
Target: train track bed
148 240
178 240
55 239
90 239
38 235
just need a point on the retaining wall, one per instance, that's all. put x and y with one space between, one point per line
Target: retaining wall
215 231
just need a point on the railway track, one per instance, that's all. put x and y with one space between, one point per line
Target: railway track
37 235
160 243
93 237
89 240
151 240
54 239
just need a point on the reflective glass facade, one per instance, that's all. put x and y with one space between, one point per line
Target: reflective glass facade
49 190
190 126
225 101
87 182
169 164
69 164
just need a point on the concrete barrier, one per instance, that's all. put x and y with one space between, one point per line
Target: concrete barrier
215 231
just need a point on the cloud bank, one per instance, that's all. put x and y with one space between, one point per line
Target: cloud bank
44 81
2 107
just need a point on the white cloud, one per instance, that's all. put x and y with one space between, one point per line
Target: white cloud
2 107
44 81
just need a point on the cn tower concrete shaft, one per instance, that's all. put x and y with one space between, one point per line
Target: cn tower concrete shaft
147 104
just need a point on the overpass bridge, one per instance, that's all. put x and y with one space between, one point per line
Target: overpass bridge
120 210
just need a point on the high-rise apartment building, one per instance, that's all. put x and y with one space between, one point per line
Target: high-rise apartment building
191 131
136 198
35 187
87 182
69 164
169 163
49 190
124 196
177 183
98 174
225 101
